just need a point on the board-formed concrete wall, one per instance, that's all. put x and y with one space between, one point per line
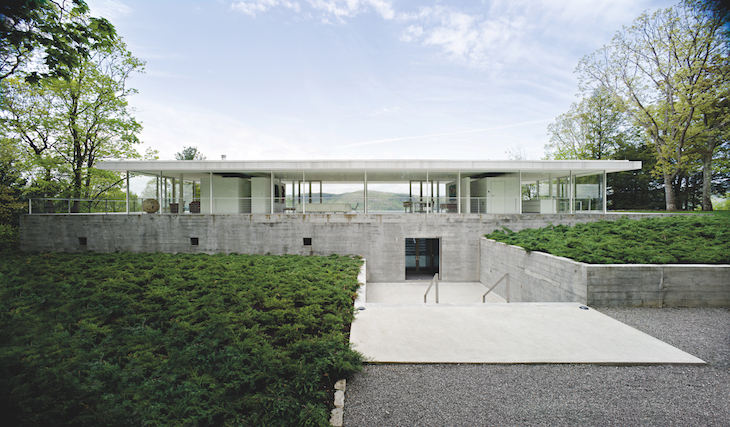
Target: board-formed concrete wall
533 276
537 276
658 285
379 238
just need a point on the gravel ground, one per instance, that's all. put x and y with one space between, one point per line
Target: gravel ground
561 395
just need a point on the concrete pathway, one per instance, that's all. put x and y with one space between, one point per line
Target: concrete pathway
411 292
466 332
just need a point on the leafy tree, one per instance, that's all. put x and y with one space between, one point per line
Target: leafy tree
66 124
592 129
189 153
61 32
660 71
713 135
636 189
11 185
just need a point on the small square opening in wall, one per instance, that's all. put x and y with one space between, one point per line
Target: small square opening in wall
307 241
82 241
193 241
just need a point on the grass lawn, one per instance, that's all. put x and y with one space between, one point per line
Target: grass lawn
99 339
682 239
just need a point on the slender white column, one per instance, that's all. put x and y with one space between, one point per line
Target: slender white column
127 192
519 194
458 192
365 193
571 196
605 191
428 195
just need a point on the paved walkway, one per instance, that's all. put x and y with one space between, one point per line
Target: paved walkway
404 330
560 395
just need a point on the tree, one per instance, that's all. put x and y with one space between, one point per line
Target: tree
61 32
592 129
659 70
66 124
713 134
189 153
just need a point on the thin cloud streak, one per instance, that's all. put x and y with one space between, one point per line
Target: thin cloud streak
404 138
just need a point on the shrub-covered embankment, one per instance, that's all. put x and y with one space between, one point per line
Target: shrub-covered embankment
157 339
686 239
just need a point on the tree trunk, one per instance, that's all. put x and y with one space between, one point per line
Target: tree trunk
706 181
669 192
707 171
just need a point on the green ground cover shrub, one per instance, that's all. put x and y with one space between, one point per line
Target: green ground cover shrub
686 239
158 339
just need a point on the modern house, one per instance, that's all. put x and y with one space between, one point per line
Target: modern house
410 218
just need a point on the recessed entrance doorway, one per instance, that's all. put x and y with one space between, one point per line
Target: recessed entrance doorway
422 258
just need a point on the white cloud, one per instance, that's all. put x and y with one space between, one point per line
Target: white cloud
336 10
340 9
469 38
261 6
109 9
412 33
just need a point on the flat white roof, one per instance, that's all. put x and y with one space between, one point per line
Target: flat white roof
198 166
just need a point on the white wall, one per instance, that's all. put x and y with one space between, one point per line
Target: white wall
227 194
261 195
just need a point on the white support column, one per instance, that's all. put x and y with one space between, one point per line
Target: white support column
127 192
304 199
365 193
458 191
180 201
605 191
519 194
210 187
571 196
428 195
272 193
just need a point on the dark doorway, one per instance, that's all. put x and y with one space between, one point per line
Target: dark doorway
422 258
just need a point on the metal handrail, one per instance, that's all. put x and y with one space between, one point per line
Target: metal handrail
436 281
506 276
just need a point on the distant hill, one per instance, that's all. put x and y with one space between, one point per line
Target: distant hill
377 200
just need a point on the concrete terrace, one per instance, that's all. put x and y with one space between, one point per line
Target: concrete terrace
393 325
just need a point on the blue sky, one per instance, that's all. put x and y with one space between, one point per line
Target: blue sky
359 79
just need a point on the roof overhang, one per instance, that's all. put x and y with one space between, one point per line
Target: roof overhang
238 166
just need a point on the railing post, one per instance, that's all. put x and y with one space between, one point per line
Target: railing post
435 277
507 291
435 281
30 206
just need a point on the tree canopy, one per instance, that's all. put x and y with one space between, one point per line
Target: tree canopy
189 153
61 33
668 71
69 110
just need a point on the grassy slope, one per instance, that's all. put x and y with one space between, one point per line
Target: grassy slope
692 239
159 339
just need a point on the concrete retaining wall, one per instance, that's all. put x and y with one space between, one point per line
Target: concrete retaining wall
537 276
534 276
379 238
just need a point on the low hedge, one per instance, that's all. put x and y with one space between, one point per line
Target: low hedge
158 339
682 239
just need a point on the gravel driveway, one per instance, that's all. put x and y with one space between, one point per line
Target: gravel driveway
561 395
